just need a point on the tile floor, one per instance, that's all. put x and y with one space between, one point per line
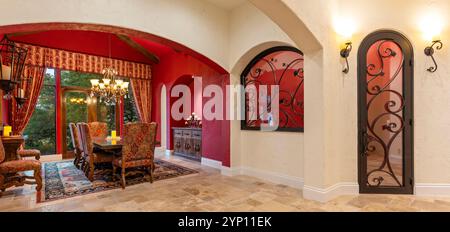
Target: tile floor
210 191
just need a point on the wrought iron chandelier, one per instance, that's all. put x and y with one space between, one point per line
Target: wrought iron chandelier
12 61
109 88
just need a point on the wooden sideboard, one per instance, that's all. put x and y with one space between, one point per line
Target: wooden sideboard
187 142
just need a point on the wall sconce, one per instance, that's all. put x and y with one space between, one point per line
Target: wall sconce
345 52
429 51
344 27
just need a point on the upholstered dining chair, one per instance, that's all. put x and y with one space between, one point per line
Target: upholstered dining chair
137 149
84 165
98 129
9 170
92 158
78 151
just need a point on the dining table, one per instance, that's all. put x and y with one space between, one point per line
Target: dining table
108 144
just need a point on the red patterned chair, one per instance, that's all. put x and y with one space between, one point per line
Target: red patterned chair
76 145
137 150
24 153
9 172
98 129
91 157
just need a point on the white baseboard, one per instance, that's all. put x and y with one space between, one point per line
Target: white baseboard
227 171
324 195
427 189
278 178
211 163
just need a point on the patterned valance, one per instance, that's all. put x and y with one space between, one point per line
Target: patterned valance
56 58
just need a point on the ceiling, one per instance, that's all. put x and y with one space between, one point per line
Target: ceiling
97 43
227 4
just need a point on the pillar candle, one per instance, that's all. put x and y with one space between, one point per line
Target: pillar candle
7 130
113 134
21 93
6 72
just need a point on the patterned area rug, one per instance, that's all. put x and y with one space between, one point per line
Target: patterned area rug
63 180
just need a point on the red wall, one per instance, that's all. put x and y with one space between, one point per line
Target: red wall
216 134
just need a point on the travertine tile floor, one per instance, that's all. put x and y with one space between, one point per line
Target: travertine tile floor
210 191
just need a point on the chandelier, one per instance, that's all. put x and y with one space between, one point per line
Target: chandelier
109 88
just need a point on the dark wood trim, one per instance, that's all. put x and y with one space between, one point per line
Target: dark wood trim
139 48
408 133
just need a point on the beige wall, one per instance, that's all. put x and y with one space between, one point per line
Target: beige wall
196 24
431 108
278 153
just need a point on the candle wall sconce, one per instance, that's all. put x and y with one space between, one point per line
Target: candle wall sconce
345 53
12 60
429 51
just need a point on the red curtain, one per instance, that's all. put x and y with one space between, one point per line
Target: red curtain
142 91
21 116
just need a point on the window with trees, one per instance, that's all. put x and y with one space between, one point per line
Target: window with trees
74 88
39 135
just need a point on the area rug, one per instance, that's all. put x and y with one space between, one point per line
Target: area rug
63 180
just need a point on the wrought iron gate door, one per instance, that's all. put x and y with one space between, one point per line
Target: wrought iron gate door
385 113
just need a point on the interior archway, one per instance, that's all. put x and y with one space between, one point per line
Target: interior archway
163 108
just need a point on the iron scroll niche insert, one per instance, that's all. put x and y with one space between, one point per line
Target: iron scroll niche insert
429 51
282 66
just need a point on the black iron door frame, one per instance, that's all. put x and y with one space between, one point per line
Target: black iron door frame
408 74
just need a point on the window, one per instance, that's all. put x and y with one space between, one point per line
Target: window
283 67
130 112
38 135
78 107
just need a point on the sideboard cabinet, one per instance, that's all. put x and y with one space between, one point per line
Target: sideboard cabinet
188 142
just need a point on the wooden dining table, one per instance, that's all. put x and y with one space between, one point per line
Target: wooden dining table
109 145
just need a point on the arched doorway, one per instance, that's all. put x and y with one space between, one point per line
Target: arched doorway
163 117
385 113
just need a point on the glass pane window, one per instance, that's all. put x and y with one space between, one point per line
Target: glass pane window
78 79
130 112
39 135
76 111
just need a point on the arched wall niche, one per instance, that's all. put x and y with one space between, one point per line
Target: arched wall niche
256 150
305 162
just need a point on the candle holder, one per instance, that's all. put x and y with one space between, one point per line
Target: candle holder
8 86
193 121
12 61
20 101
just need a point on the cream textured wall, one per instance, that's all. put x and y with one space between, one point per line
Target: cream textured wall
431 95
196 24
431 107
279 153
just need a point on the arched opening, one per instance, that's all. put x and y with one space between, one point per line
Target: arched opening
281 66
174 57
385 112
163 110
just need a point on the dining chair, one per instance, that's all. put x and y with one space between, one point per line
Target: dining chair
9 172
92 158
84 163
98 129
138 149
78 151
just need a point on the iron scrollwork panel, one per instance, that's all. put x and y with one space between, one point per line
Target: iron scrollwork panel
385 103
282 66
